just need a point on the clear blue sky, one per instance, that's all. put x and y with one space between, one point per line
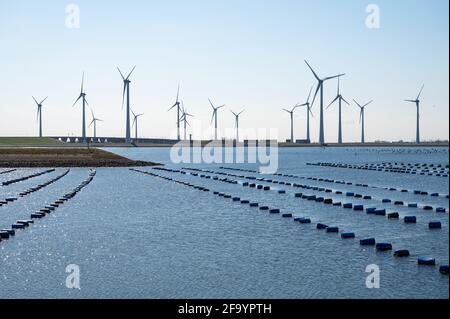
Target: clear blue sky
246 54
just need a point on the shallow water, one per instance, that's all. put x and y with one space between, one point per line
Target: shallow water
138 236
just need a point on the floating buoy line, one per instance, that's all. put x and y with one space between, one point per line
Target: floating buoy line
382 247
343 182
33 189
24 178
8 171
22 224
337 192
424 169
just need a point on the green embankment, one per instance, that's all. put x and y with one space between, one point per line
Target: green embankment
28 141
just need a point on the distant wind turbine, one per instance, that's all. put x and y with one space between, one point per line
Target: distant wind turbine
339 98
308 113
135 124
184 119
126 89
236 116
417 102
320 87
85 102
94 122
361 119
39 114
291 112
214 116
177 105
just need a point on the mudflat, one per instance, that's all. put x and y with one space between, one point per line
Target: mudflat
64 157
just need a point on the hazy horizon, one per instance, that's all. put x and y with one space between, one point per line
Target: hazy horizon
245 55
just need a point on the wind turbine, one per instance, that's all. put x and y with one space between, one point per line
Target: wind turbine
339 98
214 116
126 89
417 101
39 114
94 121
135 124
292 121
237 124
177 105
85 102
361 119
320 87
308 113
184 119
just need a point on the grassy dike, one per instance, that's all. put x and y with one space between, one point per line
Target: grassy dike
64 157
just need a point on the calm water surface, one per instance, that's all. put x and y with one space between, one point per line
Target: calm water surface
137 236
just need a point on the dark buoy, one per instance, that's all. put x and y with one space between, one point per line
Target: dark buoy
384 246
298 195
281 192
236 199
4 234
358 207
348 205
347 235
333 230
426 261
367 242
427 208
393 216
401 253
18 226
328 201
350 194
304 221
321 226
443 269
337 204
287 215
380 212
410 219
440 210
264 208
386 200
254 204
267 188
435 225
412 205
274 211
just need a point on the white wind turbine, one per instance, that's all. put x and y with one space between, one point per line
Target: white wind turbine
94 122
82 96
236 117
126 90
291 112
361 119
135 124
417 102
214 117
339 98
39 113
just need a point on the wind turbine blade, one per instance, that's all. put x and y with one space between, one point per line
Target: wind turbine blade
121 74
131 72
412 101
241 112
310 111
337 97
315 75
76 101
420 93
92 112
91 123
178 94
309 95
357 104
221 106
44 100
361 116
123 96
339 86
212 105
315 94
214 113
345 100
333 77
82 83
234 113
287 110
367 104
35 100
37 115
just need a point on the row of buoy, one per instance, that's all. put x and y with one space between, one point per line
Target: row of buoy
338 192
368 167
33 189
8 171
333 229
24 178
343 182
25 223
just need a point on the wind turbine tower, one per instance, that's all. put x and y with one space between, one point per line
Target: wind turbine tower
39 114
82 96
236 116
291 112
361 119
339 98
214 117
126 90
320 88
417 102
